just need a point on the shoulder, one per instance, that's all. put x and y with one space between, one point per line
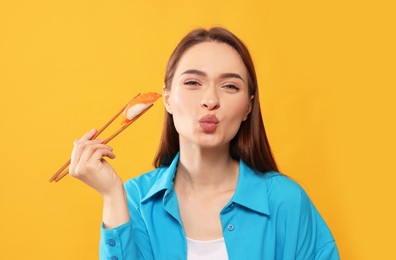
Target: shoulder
290 202
284 192
291 211
144 180
137 188
291 206
270 192
282 187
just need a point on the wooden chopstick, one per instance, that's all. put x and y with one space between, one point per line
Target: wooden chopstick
65 172
126 125
66 164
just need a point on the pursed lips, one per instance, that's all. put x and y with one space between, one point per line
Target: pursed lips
209 123
209 119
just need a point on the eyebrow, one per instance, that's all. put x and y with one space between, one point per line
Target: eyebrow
222 76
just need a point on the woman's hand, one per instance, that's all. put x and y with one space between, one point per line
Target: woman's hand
88 165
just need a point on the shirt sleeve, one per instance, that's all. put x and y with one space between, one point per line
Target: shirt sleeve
315 239
129 241
126 242
328 251
116 243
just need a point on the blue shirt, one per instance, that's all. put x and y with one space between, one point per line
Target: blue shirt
269 217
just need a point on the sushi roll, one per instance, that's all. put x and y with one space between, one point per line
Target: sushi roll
138 105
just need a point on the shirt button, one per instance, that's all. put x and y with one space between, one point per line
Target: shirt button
111 242
114 258
230 227
232 205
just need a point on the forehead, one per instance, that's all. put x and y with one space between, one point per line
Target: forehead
212 58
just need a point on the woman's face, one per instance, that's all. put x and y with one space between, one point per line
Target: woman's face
209 95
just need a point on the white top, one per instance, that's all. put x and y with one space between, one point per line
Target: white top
207 249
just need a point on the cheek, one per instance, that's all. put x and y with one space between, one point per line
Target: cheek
238 108
236 115
182 107
182 103
235 122
235 118
177 105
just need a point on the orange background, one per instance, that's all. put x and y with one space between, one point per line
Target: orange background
326 71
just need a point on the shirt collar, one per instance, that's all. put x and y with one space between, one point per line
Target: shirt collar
165 178
251 191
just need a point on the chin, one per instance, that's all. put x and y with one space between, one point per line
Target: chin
208 146
211 143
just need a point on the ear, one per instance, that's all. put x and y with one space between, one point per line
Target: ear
166 94
249 108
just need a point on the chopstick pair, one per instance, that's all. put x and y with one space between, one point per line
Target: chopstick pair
64 170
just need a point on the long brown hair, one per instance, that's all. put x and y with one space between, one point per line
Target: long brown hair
250 143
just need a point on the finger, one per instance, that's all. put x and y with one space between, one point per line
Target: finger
89 151
94 162
78 149
100 153
89 135
83 143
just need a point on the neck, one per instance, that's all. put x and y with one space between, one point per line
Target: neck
203 169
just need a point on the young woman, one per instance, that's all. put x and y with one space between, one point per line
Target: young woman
216 192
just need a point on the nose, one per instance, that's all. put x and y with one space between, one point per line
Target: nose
210 100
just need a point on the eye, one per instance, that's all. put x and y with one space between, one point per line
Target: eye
231 87
192 83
